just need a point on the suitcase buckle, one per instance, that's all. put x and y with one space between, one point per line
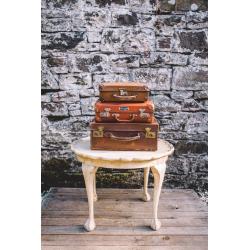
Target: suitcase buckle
123 92
98 132
142 114
149 134
105 113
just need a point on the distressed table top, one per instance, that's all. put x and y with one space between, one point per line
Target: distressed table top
81 148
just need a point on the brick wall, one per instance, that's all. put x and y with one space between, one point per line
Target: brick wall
162 43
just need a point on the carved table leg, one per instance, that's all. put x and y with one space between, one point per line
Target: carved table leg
158 172
146 196
95 194
89 176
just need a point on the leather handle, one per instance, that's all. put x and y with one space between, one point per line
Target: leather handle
121 120
117 138
124 97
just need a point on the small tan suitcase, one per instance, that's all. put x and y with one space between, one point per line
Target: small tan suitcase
123 92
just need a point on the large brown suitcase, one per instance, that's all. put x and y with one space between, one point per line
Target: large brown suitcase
123 92
124 112
124 136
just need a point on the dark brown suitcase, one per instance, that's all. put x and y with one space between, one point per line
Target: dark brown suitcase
124 136
124 112
123 92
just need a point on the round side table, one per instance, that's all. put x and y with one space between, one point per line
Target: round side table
93 159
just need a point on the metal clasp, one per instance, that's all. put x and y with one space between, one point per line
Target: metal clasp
149 134
123 92
142 114
98 132
105 113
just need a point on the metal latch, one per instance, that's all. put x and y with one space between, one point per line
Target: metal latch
123 92
142 114
105 113
149 134
98 132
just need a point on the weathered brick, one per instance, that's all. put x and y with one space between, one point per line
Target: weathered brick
199 58
183 165
68 96
94 36
191 147
182 5
155 78
87 47
46 98
165 25
166 5
49 80
147 21
125 18
197 20
92 17
57 64
169 125
75 81
204 104
54 109
163 43
189 41
196 123
88 63
181 95
56 13
62 40
164 104
142 6
43 4
126 40
74 106
62 3
156 59
103 3
87 105
75 112
56 24
190 78
191 105
200 95
121 63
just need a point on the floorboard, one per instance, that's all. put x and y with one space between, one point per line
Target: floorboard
123 220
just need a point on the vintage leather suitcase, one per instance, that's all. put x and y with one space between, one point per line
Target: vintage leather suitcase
123 92
124 112
124 136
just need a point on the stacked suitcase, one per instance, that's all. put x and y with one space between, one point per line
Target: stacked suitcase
124 118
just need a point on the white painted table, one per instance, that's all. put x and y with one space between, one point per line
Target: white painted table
93 159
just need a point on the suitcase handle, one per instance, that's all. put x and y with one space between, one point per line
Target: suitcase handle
125 97
120 120
134 138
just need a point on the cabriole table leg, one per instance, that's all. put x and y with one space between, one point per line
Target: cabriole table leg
95 194
158 172
89 176
146 196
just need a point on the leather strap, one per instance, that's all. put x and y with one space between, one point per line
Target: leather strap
125 97
121 120
117 138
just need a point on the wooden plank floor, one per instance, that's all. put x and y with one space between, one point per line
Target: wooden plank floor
123 220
